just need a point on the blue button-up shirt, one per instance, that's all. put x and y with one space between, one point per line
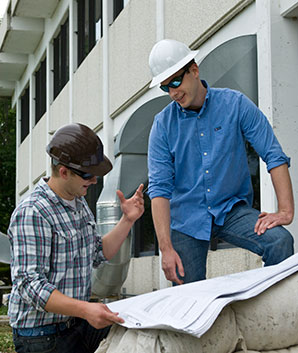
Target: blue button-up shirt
198 160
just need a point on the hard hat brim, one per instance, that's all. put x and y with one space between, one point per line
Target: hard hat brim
173 69
103 168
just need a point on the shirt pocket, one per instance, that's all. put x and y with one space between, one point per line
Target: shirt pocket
66 247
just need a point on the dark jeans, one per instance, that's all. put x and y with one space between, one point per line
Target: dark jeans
81 338
275 245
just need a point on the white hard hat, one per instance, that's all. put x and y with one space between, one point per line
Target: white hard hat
167 57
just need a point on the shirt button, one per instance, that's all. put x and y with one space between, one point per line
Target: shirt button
205 153
209 207
208 190
202 134
207 171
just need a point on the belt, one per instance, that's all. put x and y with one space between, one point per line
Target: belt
46 330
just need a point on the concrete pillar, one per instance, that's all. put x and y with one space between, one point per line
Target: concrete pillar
278 86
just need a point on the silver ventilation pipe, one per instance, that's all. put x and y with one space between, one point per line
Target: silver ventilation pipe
108 278
4 249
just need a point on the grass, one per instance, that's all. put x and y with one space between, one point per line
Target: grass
6 342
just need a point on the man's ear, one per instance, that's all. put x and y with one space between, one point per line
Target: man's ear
64 172
195 69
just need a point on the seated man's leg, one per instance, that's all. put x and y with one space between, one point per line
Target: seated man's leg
275 245
193 254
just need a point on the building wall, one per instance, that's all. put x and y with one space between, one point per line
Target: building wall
192 21
132 36
87 87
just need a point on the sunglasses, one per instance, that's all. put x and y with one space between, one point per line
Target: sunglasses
175 82
83 175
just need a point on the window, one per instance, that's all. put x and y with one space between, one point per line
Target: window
118 7
89 26
25 114
145 241
92 196
61 59
40 90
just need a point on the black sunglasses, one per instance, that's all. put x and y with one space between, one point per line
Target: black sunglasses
83 175
175 82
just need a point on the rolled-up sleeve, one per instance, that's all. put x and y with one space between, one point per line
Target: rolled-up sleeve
259 133
160 163
30 237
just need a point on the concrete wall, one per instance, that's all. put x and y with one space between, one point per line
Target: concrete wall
39 139
144 274
189 21
87 87
23 171
132 36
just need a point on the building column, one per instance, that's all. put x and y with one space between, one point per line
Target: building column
277 42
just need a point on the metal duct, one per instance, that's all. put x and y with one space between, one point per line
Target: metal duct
130 169
4 249
233 64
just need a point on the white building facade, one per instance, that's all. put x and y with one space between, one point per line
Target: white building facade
64 61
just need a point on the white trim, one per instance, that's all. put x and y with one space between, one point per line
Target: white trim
107 121
31 124
263 11
160 20
71 54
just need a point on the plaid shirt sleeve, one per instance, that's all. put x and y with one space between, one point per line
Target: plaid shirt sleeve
30 236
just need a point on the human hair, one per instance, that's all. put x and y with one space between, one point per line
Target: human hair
188 65
55 169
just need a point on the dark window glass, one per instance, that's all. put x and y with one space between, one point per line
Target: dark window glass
89 26
61 59
93 193
145 241
25 114
118 7
40 90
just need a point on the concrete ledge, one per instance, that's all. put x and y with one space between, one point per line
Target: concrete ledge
144 272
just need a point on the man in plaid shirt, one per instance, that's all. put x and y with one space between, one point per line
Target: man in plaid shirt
54 245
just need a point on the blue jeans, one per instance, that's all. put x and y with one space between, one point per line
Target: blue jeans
81 338
275 245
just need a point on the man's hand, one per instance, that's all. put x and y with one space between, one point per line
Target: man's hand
99 315
270 220
132 208
170 261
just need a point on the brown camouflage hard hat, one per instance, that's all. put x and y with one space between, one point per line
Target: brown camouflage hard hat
77 146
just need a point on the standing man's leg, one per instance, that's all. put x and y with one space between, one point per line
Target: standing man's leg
193 254
275 245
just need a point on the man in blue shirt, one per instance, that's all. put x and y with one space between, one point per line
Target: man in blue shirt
199 180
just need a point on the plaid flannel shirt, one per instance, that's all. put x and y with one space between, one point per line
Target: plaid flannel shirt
53 246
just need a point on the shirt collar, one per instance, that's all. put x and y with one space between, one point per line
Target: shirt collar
54 197
189 112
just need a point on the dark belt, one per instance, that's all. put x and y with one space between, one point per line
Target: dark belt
46 330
